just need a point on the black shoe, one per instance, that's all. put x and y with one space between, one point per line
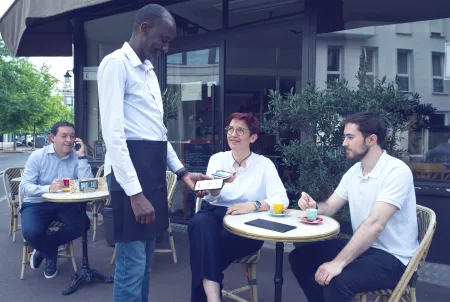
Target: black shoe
50 270
36 259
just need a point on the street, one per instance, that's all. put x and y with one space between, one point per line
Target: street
11 160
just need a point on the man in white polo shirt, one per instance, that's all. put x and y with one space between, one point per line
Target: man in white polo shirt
380 192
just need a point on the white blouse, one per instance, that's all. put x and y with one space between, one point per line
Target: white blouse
258 181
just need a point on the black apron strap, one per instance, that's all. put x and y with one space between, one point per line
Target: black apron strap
150 161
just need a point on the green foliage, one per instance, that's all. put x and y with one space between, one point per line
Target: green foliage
27 102
312 121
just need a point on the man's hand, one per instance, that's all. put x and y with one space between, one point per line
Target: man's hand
143 209
306 202
190 179
241 208
56 185
328 271
80 151
229 179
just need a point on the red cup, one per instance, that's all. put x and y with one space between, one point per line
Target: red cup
66 182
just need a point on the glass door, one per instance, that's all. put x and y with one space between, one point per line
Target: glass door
195 97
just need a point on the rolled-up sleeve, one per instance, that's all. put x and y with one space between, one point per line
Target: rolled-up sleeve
173 162
275 190
111 81
28 185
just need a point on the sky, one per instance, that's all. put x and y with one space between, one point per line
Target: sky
59 65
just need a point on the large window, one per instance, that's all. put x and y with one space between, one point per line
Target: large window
437 62
334 63
404 69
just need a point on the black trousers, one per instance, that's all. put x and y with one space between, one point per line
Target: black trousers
213 249
374 269
36 218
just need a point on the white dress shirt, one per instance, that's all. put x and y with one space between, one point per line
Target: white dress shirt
390 181
131 108
258 181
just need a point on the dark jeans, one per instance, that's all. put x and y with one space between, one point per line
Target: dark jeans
36 218
213 249
374 269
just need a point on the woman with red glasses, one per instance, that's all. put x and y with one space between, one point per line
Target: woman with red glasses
254 186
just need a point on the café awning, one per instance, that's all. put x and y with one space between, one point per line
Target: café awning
41 28
44 27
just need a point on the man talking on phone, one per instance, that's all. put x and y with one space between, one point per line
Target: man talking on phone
44 172
138 153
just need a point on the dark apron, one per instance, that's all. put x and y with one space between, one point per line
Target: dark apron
150 162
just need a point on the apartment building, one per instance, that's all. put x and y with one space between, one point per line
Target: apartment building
412 52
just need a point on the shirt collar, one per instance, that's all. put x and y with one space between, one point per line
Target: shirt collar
381 163
51 149
134 59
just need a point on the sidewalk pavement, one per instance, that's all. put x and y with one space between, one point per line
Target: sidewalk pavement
169 282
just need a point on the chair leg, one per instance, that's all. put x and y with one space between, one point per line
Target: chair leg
11 222
15 222
412 294
24 260
72 256
253 283
363 298
172 244
113 259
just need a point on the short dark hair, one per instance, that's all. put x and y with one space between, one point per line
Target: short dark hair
368 123
248 118
150 14
56 126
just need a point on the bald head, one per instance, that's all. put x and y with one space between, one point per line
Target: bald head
151 14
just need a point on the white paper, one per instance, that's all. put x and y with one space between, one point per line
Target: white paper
191 91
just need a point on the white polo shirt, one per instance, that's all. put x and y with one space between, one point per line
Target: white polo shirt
390 181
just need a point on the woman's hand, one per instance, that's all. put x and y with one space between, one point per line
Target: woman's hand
241 208
230 179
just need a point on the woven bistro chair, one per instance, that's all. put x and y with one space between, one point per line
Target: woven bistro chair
248 265
12 196
96 205
65 251
171 181
406 287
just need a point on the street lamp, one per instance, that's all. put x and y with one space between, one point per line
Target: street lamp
67 77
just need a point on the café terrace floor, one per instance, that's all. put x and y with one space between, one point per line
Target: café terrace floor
170 282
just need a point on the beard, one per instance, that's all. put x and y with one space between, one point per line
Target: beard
357 156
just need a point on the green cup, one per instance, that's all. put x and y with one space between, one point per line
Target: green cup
311 214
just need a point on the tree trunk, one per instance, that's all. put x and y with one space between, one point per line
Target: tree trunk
34 137
14 140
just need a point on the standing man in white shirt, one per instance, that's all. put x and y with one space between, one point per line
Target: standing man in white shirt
138 153
380 192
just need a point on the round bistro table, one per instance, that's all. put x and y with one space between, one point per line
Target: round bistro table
327 229
86 274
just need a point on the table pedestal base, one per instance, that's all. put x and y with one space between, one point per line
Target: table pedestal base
85 275
278 279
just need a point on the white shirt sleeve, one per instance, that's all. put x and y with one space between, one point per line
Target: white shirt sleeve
275 190
396 186
173 162
111 81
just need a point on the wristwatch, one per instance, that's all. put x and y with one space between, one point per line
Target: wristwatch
257 205
82 157
182 174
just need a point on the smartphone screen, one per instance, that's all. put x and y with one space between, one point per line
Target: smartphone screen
222 175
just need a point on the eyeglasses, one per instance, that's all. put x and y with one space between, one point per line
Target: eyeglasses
239 131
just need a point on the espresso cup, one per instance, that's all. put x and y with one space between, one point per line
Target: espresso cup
278 208
311 214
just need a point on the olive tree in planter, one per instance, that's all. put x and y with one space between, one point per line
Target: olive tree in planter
313 117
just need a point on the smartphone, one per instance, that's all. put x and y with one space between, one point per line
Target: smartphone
210 184
77 146
222 175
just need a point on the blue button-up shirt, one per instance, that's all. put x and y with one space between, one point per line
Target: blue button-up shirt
44 166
